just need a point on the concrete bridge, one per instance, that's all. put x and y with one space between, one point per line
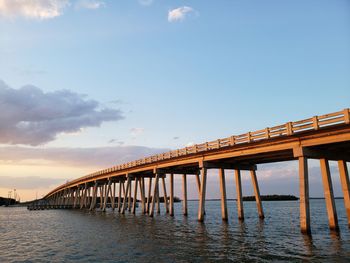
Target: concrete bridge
325 137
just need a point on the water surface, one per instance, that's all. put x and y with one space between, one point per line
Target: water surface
83 236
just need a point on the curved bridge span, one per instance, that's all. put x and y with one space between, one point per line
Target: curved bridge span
325 137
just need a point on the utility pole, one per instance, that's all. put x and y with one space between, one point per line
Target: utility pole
9 197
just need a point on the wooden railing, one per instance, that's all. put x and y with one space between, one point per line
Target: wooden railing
287 129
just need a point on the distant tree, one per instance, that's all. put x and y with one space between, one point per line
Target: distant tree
6 201
272 198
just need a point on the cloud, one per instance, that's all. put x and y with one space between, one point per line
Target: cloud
101 157
29 72
145 2
120 143
189 144
31 116
180 13
33 9
28 182
90 4
137 131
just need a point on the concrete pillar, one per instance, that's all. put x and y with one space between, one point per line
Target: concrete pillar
129 197
201 207
135 195
151 212
171 212
94 193
344 179
119 195
142 194
240 210
149 195
257 194
88 199
83 200
328 194
165 195
184 194
198 182
223 194
101 196
106 194
304 196
113 197
127 190
76 196
157 199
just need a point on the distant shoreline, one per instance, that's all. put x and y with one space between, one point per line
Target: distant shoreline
234 199
245 199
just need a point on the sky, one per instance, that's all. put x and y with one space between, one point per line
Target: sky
87 84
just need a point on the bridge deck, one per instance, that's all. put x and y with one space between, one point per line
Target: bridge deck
329 133
325 137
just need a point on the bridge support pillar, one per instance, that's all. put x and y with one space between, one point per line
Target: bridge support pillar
119 195
344 179
135 195
184 194
76 197
240 210
84 195
102 187
64 198
126 193
142 194
201 207
257 194
165 196
171 212
81 198
329 196
109 194
149 195
88 198
61 199
113 197
57 199
157 199
106 195
198 182
156 181
129 197
93 200
304 196
223 194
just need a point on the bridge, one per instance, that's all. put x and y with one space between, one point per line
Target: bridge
325 137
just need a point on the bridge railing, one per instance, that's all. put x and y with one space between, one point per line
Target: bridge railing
287 129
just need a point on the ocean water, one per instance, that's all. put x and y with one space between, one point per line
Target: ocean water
84 236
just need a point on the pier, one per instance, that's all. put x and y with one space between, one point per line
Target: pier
325 138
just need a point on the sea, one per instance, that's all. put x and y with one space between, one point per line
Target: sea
85 236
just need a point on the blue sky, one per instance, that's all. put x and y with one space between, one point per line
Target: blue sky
217 69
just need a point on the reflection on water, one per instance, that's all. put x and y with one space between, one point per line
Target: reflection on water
83 236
